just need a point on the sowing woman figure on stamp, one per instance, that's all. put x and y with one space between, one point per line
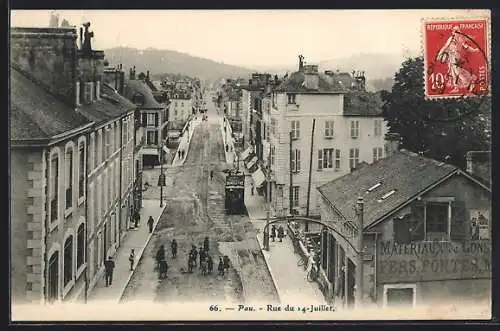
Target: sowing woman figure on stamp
452 53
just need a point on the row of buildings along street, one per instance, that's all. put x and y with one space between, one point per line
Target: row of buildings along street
296 179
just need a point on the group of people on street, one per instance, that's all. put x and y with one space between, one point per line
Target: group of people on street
181 153
279 232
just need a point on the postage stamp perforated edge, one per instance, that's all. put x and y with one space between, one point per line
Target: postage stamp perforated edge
423 43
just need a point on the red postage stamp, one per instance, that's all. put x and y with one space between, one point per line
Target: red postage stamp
456 57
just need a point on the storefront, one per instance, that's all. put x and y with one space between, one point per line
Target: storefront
421 242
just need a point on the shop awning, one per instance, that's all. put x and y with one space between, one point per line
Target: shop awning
258 177
252 162
246 153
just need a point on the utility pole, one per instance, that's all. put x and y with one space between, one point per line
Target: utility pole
268 211
310 173
291 175
358 301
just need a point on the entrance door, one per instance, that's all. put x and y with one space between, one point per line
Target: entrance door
53 279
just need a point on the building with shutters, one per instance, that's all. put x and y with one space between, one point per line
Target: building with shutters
426 234
349 129
66 137
152 120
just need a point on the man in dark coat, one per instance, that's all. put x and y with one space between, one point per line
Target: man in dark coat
174 248
281 233
211 174
225 259
210 264
137 218
273 232
220 268
201 254
194 253
151 222
109 266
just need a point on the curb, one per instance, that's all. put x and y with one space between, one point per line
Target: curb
140 253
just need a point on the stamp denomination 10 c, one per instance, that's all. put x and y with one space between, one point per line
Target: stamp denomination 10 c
456 53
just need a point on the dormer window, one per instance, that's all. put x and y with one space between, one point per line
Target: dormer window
291 98
386 196
138 99
373 187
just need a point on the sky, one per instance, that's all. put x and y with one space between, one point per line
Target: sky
267 38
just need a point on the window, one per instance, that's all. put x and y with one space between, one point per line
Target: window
337 159
68 260
353 158
151 119
107 142
377 130
99 149
117 137
295 126
329 129
182 104
81 170
436 220
53 277
291 98
295 196
273 155
328 158
377 153
80 246
69 178
54 187
400 295
152 138
273 126
92 208
354 129
295 160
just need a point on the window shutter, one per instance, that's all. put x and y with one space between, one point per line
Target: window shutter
297 129
292 166
297 159
144 119
417 231
401 228
156 138
458 221
156 119
320 159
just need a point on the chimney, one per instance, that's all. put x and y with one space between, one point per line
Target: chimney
49 57
132 73
311 77
329 76
81 38
301 62
479 164
147 75
392 143
121 84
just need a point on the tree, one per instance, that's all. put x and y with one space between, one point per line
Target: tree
442 129
141 76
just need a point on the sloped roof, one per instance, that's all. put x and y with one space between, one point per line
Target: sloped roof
36 114
295 83
111 105
406 172
362 103
132 87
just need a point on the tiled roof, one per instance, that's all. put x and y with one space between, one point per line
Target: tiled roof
138 86
406 172
362 103
295 83
36 113
111 105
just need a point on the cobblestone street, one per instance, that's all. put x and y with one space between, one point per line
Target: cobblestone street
194 210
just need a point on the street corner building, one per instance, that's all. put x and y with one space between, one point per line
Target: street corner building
277 119
426 234
72 172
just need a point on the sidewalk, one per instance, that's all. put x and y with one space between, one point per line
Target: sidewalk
185 142
135 239
290 280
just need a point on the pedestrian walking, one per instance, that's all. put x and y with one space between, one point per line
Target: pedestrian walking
201 254
281 233
131 259
163 269
204 267
173 246
206 245
190 263
225 259
220 268
179 153
194 252
109 266
160 256
211 174
137 218
273 232
151 222
210 264
253 188
227 146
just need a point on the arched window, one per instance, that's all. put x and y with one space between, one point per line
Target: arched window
53 277
69 178
54 187
80 245
68 260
